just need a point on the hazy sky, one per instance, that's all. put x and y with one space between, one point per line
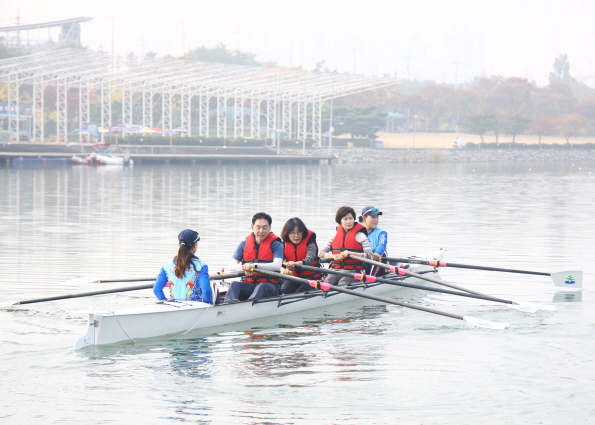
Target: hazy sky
446 40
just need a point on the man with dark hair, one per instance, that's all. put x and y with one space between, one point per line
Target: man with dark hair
261 249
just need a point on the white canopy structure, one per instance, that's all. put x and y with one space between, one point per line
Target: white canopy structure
245 100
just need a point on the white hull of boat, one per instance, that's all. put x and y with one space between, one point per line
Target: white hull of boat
113 160
154 320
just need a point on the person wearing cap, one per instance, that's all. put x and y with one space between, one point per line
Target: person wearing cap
186 275
377 237
351 238
261 249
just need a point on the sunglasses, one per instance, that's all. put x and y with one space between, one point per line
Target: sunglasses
371 210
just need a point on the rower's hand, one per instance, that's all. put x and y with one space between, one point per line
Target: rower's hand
377 257
247 269
341 256
285 271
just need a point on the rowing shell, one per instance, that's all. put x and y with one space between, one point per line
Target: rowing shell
165 318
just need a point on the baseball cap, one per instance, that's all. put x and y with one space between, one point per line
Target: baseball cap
371 211
188 237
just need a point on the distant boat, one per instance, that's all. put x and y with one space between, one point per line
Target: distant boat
79 160
101 159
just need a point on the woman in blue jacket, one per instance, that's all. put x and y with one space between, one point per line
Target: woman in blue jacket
378 238
186 275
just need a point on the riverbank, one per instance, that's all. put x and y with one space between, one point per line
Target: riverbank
446 140
578 156
141 154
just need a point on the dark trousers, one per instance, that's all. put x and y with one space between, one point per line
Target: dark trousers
240 290
334 279
375 270
290 287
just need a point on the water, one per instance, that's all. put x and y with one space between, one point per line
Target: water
62 228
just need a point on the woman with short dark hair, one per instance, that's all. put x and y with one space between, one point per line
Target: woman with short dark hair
351 238
300 249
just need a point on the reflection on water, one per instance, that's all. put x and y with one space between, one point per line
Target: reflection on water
62 228
568 297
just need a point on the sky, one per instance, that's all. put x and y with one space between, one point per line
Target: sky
448 41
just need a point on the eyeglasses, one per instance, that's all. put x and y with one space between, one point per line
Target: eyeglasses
371 210
295 233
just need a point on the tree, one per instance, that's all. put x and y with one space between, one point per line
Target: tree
220 54
439 105
572 125
587 110
543 126
150 56
514 123
356 121
561 73
364 122
480 122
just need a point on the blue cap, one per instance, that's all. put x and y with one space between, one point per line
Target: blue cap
371 211
188 237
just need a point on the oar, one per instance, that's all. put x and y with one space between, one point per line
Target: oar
566 279
152 279
369 278
328 287
109 291
527 308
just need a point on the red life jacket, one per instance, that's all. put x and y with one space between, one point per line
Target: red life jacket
298 252
262 253
345 241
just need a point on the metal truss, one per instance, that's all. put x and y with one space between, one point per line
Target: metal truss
238 97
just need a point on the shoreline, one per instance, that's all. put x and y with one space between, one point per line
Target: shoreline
386 155
312 155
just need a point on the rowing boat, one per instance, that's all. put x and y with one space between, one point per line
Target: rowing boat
171 317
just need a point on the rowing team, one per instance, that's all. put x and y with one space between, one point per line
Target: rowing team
188 277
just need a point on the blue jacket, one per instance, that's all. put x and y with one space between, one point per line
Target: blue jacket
378 240
193 286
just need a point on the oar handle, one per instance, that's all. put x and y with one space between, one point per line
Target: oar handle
226 275
435 263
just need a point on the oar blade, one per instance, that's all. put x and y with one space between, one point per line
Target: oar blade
572 279
481 323
9 304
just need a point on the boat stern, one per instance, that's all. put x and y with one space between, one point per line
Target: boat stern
89 337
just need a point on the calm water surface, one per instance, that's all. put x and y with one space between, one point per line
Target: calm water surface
60 229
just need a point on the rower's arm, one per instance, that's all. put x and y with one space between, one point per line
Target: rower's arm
326 249
159 284
275 266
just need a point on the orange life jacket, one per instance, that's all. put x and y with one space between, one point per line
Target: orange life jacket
345 241
262 253
293 252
